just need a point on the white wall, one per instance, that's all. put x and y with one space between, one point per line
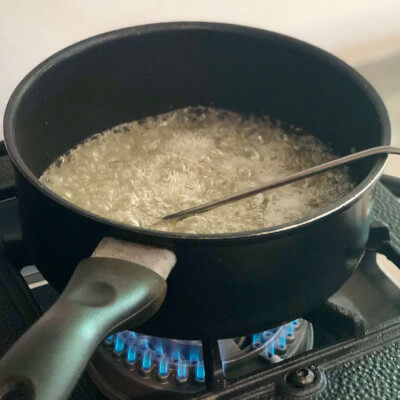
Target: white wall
31 30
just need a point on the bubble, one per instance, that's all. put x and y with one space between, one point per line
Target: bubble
132 221
138 172
251 153
244 171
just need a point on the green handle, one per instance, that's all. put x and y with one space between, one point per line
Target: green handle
48 359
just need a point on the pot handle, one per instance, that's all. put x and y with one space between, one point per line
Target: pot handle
46 362
384 234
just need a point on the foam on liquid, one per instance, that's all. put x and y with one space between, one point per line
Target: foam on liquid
140 171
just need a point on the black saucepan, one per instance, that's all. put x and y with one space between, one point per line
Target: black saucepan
223 285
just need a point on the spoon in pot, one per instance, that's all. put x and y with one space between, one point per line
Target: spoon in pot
305 173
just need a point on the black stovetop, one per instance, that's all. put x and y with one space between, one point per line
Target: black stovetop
356 351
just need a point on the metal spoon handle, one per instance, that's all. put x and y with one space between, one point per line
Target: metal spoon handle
285 180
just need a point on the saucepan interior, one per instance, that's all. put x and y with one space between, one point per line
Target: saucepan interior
130 74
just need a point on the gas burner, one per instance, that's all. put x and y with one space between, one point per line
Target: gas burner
244 355
177 366
176 361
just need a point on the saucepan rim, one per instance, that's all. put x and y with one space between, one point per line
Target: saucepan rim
11 114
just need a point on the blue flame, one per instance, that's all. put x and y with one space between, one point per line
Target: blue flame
194 356
290 329
257 340
181 370
132 354
109 340
146 360
282 341
163 366
200 372
176 355
159 348
267 335
119 343
144 343
269 350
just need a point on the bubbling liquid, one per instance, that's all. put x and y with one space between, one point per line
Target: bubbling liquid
138 172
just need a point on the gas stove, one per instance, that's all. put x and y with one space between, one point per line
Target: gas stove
178 365
348 348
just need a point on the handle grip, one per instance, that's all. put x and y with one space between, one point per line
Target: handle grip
392 183
48 359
